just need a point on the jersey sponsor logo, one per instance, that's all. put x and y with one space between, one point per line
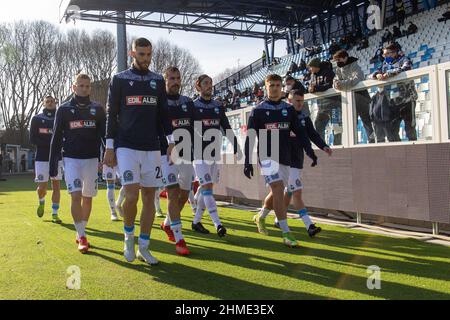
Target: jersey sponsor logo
293 135
177 123
82 124
211 122
45 131
142 101
277 125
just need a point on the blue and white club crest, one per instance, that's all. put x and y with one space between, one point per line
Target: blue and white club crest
184 107
153 84
284 112
93 111
303 122
217 110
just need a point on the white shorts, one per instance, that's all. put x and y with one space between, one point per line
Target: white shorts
206 173
110 173
42 170
295 180
274 172
81 175
140 167
181 174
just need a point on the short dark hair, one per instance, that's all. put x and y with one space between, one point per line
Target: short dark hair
49 97
201 78
273 77
170 69
297 92
141 42
392 46
289 78
341 54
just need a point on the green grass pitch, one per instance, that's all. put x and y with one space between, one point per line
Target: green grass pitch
35 255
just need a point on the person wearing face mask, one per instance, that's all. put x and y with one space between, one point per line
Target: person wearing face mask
396 62
292 84
348 75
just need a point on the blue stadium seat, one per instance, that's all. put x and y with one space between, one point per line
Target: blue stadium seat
423 47
416 65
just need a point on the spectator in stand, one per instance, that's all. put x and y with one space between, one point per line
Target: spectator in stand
302 67
396 62
348 75
387 36
378 57
292 84
293 68
399 12
264 58
255 90
363 44
412 28
397 33
322 76
445 15
236 102
334 47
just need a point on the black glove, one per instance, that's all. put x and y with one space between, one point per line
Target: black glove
314 159
248 171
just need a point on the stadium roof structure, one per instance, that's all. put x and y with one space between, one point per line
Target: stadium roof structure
264 19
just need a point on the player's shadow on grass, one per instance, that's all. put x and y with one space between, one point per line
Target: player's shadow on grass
307 272
175 275
356 241
216 285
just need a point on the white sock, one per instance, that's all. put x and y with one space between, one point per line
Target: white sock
305 217
276 219
284 225
176 228
167 220
210 204
143 242
80 227
157 203
121 197
200 209
111 197
264 212
129 232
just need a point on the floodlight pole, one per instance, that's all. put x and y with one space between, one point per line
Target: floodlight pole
121 43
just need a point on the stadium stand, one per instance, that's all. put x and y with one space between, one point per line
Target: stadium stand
429 46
